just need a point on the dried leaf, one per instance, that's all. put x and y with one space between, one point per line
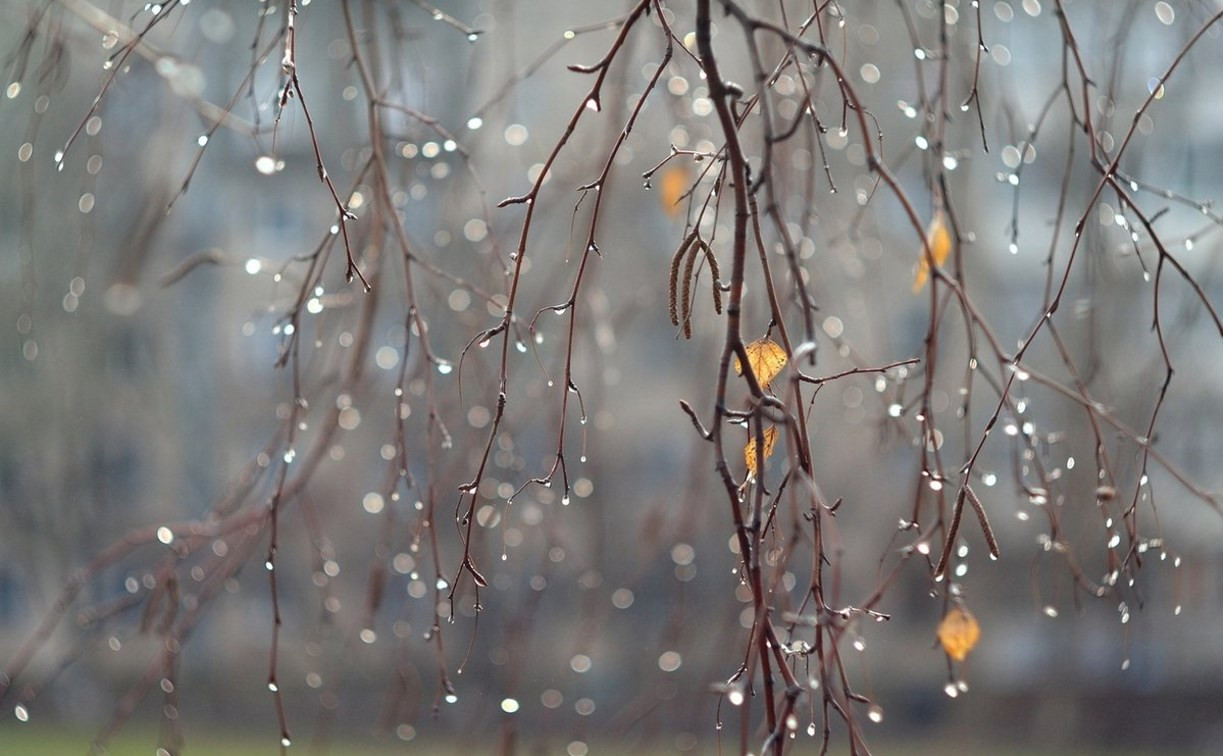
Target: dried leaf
939 240
749 452
673 184
766 357
959 632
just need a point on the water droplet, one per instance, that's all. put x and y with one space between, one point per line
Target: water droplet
265 164
22 714
451 698
13 90
951 690
875 713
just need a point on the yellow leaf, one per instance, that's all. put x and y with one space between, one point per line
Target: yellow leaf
766 357
674 182
939 240
749 452
959 632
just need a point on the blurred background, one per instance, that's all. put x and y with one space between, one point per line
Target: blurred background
140 382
